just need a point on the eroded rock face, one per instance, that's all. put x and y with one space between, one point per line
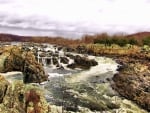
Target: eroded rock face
14 58
21 98
133 82
3 87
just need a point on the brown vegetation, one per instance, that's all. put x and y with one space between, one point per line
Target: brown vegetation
104 38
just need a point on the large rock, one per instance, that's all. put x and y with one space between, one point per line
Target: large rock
55 61
3 87
64 60
20 98
82 62
14 58
133 82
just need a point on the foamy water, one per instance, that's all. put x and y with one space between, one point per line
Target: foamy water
104 65
73 18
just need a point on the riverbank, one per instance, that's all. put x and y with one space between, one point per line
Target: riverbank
133 79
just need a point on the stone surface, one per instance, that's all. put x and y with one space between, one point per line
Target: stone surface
14 58
64 60
20 98
133 81
3 87
82 62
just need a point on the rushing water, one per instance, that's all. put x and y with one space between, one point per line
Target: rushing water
85 91
78 90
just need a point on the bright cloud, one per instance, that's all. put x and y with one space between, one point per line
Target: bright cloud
77 15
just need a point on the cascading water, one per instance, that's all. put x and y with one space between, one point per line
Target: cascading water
86 91
44 61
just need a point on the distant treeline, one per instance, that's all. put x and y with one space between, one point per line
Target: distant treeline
104 38
120 40
39 39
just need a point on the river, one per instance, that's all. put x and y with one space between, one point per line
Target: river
80 90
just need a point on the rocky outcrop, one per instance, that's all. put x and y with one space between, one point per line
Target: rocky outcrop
133 81
14 58
20 98
3 87
82 62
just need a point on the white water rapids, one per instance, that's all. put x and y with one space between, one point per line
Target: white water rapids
89 87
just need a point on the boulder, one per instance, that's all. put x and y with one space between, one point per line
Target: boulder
55 61
133 82
84 62
21 98
60 48
72 66
70 55
43 54
3 87
48 61
14 58
64 60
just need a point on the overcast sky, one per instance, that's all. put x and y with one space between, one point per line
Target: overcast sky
78 15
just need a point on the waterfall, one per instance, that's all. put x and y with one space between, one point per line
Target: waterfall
38 57
44 61
59 61
52 64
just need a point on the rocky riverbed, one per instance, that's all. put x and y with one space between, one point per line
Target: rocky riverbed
73 82
133 80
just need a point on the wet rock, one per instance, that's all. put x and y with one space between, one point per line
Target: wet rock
49 54
72 66
120 67
60 48
60 67
14 58
43 54
55 61
70 56
64 60
84 62
48 61
55 55
133 82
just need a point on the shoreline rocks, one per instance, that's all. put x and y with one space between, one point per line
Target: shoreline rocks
18 97
133 82
133 78
14 58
